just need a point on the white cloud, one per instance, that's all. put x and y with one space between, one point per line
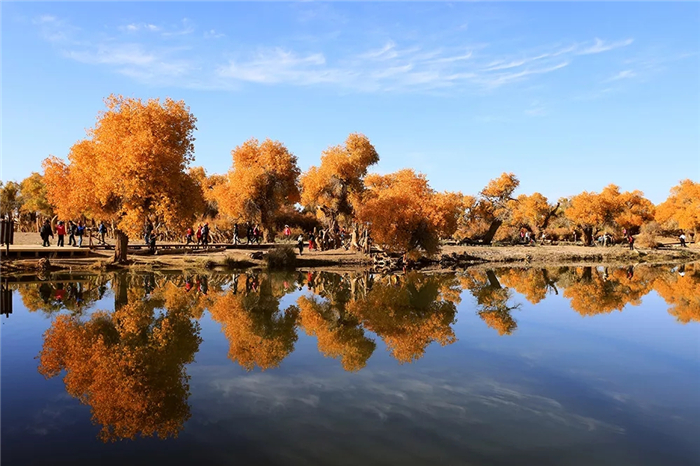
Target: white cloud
601 46
113 54
392 66
625 74
213 34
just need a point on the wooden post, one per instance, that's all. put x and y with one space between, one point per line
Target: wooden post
122 242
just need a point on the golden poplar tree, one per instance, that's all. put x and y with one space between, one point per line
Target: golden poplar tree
406 214
682 208
131 167
261 183
333 188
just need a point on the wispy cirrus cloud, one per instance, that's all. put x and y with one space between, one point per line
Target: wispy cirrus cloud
625 74
601 46
146 51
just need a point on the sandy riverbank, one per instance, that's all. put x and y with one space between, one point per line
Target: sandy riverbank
341 259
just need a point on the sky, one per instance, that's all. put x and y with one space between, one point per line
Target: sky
568 96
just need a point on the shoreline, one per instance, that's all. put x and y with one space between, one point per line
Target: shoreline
452 258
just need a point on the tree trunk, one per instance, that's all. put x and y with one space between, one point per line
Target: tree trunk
545 223
122 242
587 236
495 225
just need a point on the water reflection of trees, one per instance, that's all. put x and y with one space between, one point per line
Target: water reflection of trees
409 312
75 294
681 290
339 333
127 365
259 333
494 302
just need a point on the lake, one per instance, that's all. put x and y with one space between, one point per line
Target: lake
504 366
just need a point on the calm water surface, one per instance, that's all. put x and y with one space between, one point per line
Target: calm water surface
558 366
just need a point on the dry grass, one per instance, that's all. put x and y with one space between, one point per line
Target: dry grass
281 257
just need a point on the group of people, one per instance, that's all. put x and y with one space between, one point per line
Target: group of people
74 230
201 235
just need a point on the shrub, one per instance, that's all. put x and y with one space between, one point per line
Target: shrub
281 257
647 235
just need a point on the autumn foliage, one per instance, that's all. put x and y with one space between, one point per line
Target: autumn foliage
134 165
406 214
128 366
131 167
261 182
333 189
682 208
259 333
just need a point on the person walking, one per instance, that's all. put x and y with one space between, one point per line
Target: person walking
236 240
300 243
287 233
152 242
249 232
147 230
72 230
80 233
256 234
102 230
630 239
61 233
205 235
45 232
312 241
682 239
199 234
189 236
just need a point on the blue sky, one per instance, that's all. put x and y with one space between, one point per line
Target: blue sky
569 96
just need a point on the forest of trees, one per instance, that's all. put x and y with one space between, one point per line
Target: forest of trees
135 165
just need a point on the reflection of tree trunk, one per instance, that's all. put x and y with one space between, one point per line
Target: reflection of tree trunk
493 280
550 283
587 236
495 225
587 274
120 289
122 242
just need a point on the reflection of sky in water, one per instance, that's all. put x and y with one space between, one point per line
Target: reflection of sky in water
617 388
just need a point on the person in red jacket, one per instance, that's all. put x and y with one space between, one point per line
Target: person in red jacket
61 233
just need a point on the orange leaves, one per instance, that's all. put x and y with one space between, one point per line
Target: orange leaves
334 187
406 214
259 333
338 336
682 208
531 211
682 292
501 189
131 167
262 181
609 209
408 315
128 366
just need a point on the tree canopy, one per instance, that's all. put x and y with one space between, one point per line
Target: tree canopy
131 167
262 181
